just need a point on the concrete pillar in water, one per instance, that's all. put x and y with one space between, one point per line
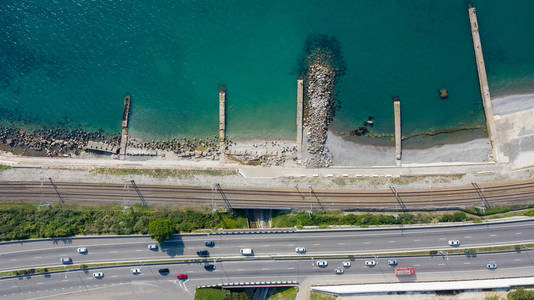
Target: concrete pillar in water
398 133
300 109
222 118
483 81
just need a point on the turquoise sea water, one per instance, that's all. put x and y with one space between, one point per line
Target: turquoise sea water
69 63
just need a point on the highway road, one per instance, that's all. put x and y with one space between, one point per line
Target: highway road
281 198
27 254
40 286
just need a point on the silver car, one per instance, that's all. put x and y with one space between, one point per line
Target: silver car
300 250
340 271
370 263
322 263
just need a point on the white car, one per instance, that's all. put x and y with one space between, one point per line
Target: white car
246 251
322 263
346 264
392 262
340 271
136 271
454 243
98 275
370 263
153 247
492 266
300 250
81 250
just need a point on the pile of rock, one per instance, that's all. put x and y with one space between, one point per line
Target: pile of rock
318 112
51 142
183 147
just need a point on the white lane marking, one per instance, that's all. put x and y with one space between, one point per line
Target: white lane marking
517 259
13 259
493 235
441 264
265 269
392 241
367 243
441 239
416 265
341 244
240 270
291 268
139 250
38 257
114 252
317 244
417 240
113 276
467 237
467 263
518 233
39 283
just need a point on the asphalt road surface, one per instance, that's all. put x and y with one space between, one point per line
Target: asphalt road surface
28 254
299 197
55 284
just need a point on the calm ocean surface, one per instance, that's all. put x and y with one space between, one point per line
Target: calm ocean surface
69 63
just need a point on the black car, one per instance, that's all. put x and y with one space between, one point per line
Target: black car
209 267
164 271
209 243
203 253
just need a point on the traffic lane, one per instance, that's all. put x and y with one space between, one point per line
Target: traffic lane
274 244
267 270
526 227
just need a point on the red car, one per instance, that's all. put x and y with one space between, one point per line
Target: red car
181 276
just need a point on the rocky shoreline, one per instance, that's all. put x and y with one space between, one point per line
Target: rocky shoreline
60 142
51 142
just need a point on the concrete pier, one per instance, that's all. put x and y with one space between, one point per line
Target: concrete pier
300 113
398 133
483 81
124 133
222 118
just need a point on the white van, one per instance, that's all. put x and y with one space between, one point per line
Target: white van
247 251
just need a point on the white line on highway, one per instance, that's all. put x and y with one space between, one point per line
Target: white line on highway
316 244
518 233
493 235
392 241
417 240
467 263
291 268
367 243
341 244
467 237
517 259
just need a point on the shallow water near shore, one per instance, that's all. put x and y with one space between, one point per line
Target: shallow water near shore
69 64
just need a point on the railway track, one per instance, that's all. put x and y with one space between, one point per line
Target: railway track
518 192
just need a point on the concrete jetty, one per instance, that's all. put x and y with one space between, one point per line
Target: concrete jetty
124 133
483 81
398 133
300 113
222 118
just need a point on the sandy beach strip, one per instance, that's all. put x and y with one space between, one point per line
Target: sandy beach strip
512 103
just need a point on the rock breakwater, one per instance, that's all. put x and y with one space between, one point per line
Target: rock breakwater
318 113
51 142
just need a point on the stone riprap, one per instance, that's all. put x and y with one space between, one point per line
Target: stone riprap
318 112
